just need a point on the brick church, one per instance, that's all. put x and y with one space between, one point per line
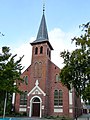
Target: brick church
44 94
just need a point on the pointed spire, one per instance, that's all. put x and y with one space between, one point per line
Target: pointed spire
42 32
42 35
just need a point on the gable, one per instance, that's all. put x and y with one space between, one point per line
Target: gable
37 90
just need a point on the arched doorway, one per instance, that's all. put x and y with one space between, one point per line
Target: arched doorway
35 104
36 107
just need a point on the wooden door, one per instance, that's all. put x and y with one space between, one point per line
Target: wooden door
36 109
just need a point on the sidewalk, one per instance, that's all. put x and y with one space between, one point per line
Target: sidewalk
84 117
25 118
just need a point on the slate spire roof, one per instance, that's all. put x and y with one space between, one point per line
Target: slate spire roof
42 35
42 32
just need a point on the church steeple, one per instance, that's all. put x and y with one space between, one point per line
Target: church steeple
42 35
42 32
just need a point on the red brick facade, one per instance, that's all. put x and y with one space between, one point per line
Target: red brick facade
42 83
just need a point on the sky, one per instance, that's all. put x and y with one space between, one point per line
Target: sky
20 21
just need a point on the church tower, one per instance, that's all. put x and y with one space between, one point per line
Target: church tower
41 46
41 53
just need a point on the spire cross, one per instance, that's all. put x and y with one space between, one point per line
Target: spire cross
37 83
43 6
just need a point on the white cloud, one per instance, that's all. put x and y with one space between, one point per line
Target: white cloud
59 41
26 50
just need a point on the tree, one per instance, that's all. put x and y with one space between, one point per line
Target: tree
10 71
76 72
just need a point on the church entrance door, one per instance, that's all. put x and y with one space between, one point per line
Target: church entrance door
36 107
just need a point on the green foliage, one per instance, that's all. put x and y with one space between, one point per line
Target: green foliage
76 72
10 71
86 94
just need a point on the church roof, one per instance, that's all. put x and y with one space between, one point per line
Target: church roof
42 32
42 35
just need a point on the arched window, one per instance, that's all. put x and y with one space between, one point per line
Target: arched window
49 53
36 50
36 69
57 78
40 69
23 98
41 50
26 80
58 98
36 100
